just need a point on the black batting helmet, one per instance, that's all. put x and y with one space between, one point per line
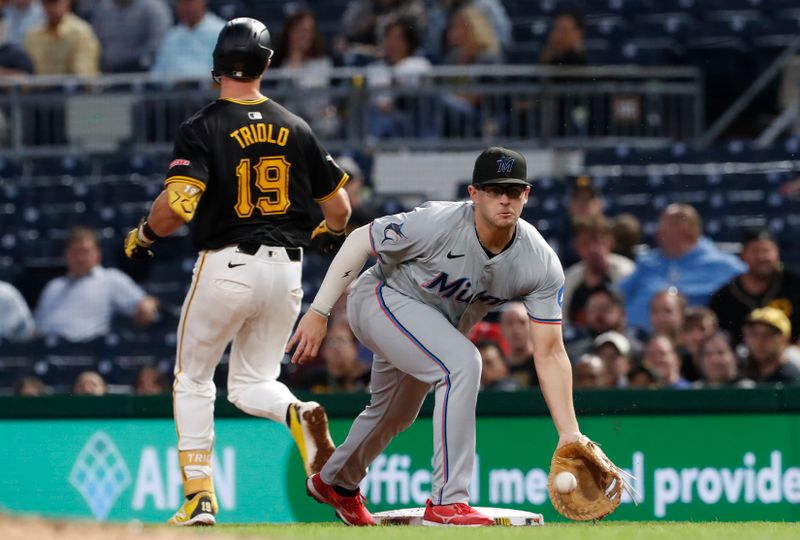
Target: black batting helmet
242 50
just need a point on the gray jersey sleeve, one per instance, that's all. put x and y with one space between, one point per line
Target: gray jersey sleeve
402 237
544 302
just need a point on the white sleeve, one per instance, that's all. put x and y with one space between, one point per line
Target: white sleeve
343 270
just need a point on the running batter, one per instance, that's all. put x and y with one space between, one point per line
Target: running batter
440 269
246 173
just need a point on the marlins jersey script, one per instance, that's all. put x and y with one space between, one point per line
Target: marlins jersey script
261 169
432 254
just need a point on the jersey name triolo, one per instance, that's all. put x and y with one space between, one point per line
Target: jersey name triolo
433 254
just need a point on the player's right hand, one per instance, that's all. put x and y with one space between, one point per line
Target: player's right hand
308 336
136 247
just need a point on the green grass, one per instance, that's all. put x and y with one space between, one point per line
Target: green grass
559 531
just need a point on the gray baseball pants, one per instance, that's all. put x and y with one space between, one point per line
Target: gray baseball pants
414 347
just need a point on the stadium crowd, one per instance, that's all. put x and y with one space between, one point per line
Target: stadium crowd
682 314
679 314
176 37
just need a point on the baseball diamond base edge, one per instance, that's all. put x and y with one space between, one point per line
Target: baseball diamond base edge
502 516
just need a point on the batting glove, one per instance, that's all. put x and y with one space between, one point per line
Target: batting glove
327 240
137 245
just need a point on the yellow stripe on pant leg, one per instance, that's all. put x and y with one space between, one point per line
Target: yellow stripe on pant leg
180 349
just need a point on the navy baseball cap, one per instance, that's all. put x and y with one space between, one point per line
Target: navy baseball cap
498 165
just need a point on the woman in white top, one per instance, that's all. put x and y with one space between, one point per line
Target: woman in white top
394 113
301 52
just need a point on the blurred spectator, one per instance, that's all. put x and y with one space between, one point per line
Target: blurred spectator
79 306
188 46
627 232
642 378
130 32
89 383
583 201
699 323
14 61
471 39
719 366
441 11
615 350
391 115
65 44
301 44
488 331
300 51
16 322
515 325
30 387
22 16
584 198
362 211
590 372
765 283
345 372
494 373
770 360
661 357
364 21
150 382
685 260
564 46
666 315
598 267
605 312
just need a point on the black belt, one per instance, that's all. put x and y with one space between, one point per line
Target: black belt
250 248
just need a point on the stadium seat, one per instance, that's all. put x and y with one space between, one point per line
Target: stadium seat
10 168
59 166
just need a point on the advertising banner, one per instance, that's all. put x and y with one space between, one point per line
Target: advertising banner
714 467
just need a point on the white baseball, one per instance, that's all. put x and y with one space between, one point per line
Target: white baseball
565 482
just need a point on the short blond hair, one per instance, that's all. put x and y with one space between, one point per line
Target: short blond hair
481 29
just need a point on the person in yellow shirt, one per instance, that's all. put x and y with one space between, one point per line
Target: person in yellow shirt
65 44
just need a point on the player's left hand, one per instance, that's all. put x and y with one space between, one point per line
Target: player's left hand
136 247
326 240
601 482
308 336
567 438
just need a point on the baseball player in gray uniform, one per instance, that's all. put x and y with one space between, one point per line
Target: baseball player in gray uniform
441 268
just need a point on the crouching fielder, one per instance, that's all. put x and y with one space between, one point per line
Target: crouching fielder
440 269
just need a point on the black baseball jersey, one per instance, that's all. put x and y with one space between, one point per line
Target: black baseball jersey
261 169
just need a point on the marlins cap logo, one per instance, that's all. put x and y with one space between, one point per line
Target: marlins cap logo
504 165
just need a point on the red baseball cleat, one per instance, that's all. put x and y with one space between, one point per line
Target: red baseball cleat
350 510
458 515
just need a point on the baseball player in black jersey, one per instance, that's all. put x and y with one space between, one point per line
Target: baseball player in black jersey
246 173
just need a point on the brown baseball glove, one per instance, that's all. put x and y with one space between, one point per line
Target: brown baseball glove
600 482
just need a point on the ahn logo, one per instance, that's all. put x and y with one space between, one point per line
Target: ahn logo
100 474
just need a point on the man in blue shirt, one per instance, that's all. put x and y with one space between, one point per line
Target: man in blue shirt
13 58
130 32
22 16
80 305
16 322
187 47
685 261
